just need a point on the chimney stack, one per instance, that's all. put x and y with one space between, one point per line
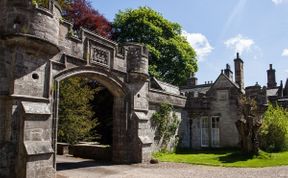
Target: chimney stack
228 72
239 73
192 80
271 77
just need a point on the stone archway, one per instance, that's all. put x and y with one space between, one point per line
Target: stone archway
120 92
37 51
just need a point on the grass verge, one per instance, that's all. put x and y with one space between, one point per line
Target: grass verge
225 158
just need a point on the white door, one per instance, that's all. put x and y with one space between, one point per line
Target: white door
215 135
204 131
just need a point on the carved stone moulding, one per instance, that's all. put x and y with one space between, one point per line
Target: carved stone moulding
100 56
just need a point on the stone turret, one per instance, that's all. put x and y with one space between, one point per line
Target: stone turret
27 21
138 79
239 73
137 60
271 77
28 40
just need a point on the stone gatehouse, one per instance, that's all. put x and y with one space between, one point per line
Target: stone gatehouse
38 49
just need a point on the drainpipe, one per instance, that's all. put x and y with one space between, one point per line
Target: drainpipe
190 133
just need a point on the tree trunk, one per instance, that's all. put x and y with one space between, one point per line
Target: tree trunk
248 131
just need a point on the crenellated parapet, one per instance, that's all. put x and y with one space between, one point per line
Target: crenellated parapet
88 48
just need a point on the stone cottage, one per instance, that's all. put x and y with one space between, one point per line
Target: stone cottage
213 108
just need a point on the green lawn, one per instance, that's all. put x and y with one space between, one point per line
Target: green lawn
226 158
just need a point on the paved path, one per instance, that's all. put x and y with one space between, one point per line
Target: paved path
69 167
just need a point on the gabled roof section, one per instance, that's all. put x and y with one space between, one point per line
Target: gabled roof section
272 91
224 82
159 85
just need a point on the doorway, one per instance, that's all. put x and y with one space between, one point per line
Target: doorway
210 131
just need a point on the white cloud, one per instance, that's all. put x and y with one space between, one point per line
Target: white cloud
200 44
239 43
285 52
279 1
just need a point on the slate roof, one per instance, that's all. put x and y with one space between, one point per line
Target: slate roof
203 89
159 85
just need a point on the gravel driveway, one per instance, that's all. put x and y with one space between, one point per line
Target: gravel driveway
70 167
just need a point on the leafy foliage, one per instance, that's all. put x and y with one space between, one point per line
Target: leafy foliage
274 130
166 123
171 59
75 112
82 14
42 3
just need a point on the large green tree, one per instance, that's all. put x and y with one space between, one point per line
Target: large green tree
75 111
171 58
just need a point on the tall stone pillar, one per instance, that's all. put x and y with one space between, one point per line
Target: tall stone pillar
138 79
28 41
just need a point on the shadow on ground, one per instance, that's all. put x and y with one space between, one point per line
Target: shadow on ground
235 157
216 151
62 166
229 155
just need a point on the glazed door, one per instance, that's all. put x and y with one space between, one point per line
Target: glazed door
204 132
215 135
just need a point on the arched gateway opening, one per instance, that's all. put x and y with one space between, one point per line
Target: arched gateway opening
36 60
114 90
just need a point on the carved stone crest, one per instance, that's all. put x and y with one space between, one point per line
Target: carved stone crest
99 55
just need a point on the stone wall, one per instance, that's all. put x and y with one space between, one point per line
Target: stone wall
157 97
97 152
227 110
38 50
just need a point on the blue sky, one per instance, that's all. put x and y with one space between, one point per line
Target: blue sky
216 29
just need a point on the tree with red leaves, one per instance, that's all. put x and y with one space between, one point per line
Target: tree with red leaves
82 14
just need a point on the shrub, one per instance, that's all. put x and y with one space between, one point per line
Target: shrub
274 130
166 123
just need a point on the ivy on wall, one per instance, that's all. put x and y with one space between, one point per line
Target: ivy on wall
166 122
